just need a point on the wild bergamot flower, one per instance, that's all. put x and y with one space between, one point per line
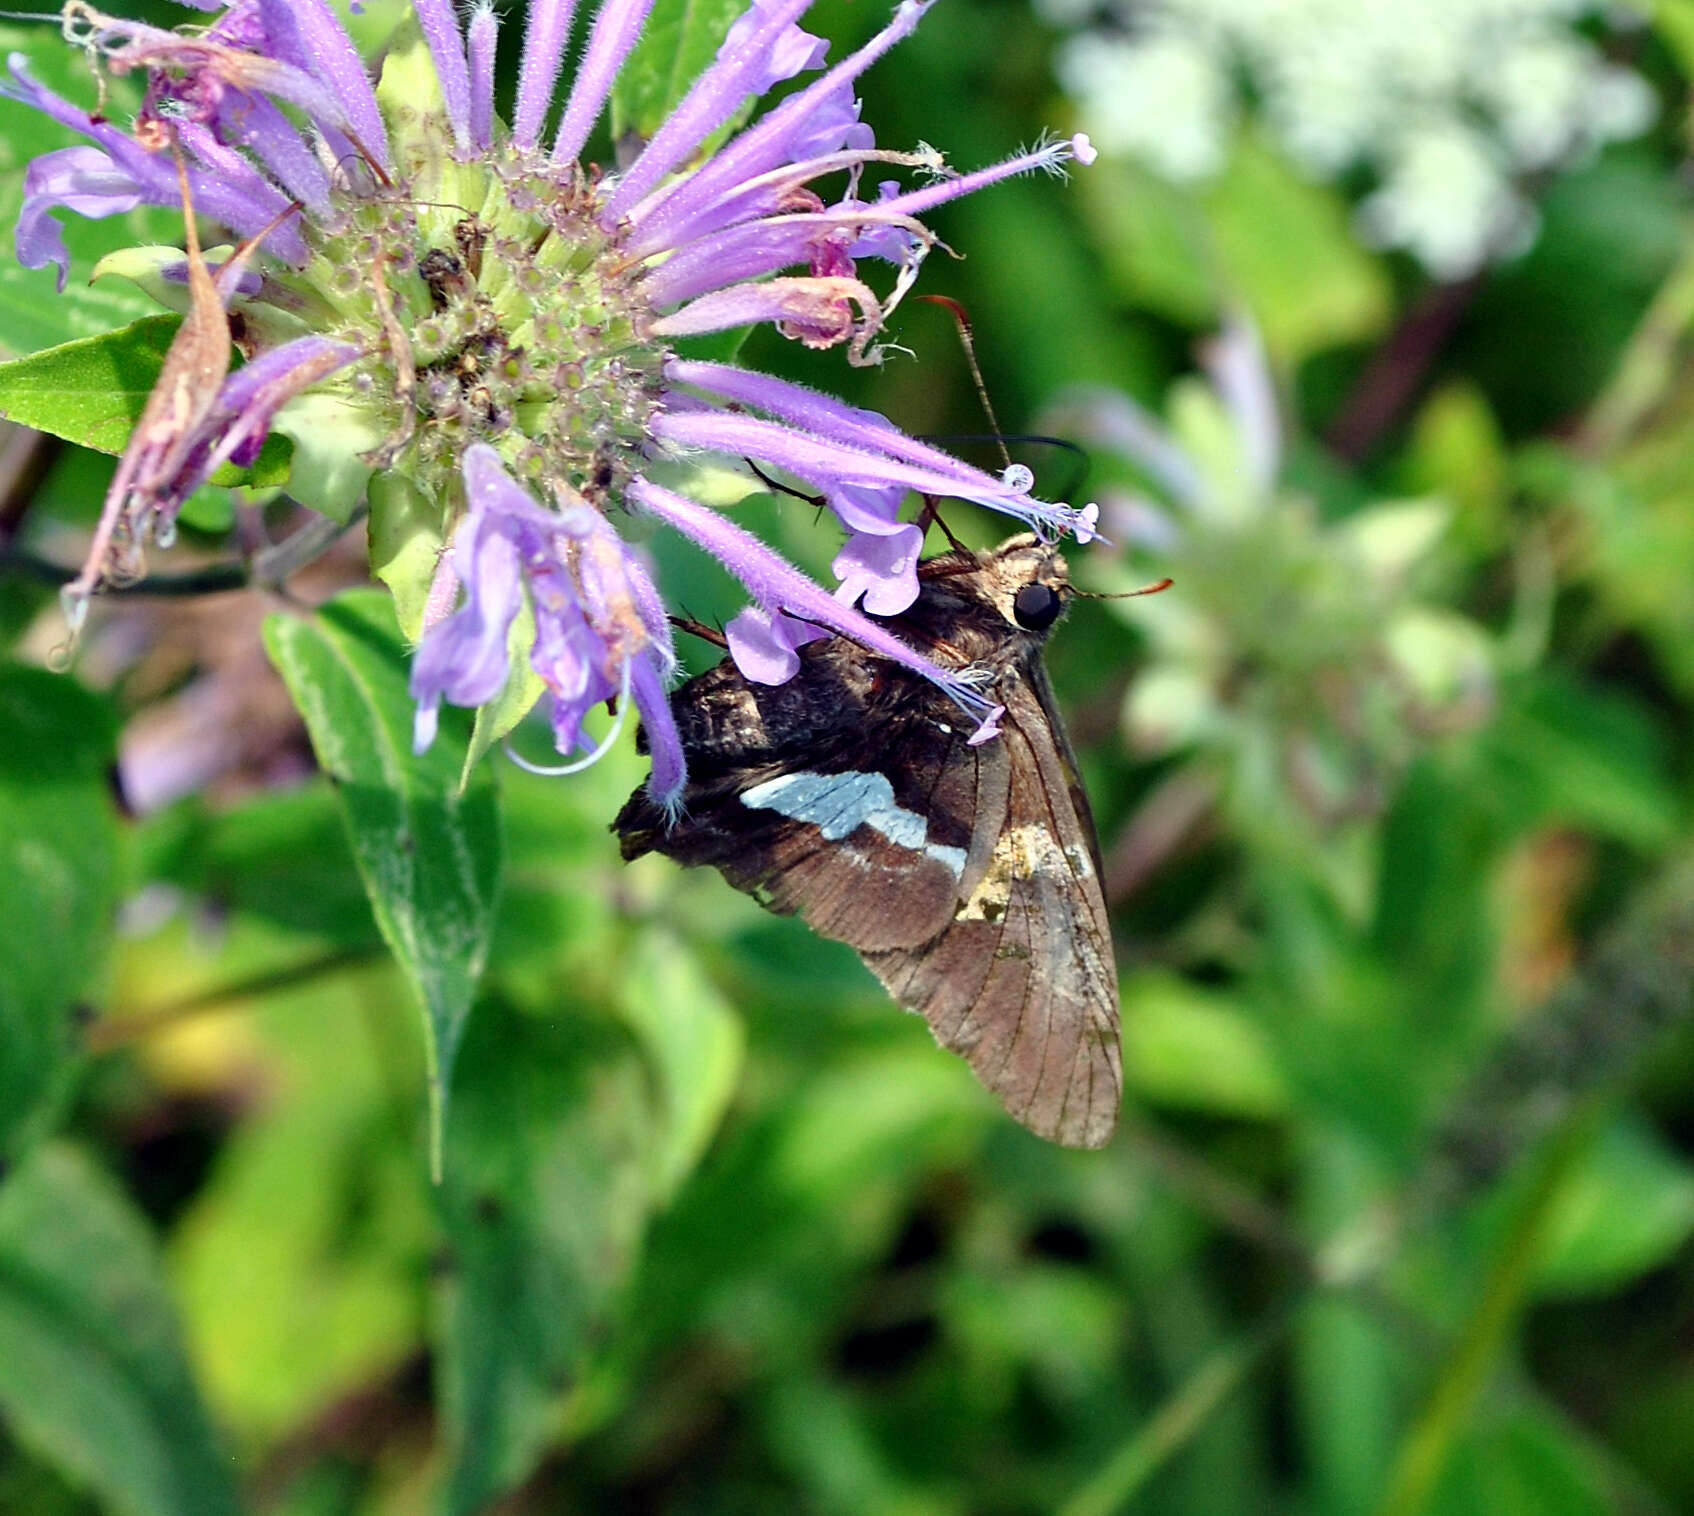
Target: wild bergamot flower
469 322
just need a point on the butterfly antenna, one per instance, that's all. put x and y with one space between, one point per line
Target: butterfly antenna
1158 586
967 339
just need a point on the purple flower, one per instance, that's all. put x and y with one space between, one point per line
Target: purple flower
513 363
598 619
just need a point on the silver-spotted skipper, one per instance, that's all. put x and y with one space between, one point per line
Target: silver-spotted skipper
967 878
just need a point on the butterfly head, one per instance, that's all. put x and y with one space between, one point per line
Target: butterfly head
1027 583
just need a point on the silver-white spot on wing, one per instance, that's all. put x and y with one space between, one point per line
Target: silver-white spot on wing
839 804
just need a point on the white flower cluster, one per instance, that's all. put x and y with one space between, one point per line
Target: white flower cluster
1447 102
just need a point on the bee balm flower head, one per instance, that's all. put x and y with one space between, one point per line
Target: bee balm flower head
468 310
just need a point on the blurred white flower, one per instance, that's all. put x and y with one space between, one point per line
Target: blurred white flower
1449 103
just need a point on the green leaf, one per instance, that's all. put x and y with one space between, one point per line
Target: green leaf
331 436
1287 246
1625 1210
544 1201
405 544
1525 1461
1191 1047
681 37
90 391
695 1043
430 856
58 866
315 1203
93 1375
1564 753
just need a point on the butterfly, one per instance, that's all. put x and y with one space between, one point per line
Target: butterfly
966 877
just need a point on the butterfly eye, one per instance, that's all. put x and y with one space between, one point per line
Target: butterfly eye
1036 607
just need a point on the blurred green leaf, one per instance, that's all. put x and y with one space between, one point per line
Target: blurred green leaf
1523 1462
281 858
58 882
544 1198
1153 239
1286 246
430 855
695 1043
1627 1208
1187 1046
681 37
302 1262
1612 229
1349 1365
1562 752
1456 452
92 1373
1674 22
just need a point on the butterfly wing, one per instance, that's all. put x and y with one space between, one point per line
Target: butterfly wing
1021 981
967 878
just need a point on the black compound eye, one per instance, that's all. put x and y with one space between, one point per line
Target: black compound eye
1036 607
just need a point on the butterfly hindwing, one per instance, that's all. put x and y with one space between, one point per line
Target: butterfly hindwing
1021 981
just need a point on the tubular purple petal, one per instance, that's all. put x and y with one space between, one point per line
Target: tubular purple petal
778 586
440 26
831 126
237 178
777 192
81 179
252 396
481 39
464 659
763 48
663 219
669 776
308 34
882 567
650 606
616 28
766 644
816 311
1050 159
868 509
825 462
862 430
155 177
545 31
824 240
488 487
252 122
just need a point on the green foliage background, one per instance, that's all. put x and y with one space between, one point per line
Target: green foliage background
1401 1218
